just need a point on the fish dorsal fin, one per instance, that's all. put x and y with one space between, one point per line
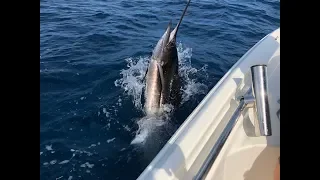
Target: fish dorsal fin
166 37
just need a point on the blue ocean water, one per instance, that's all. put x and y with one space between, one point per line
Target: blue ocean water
93 56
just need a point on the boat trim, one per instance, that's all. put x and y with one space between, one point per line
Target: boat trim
220 142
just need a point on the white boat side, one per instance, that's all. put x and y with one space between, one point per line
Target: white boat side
244 155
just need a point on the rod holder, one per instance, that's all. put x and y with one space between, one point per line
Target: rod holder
259 99
256 98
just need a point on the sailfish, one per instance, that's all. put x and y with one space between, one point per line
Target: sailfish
162 78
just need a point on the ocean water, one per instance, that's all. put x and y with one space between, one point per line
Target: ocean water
93 56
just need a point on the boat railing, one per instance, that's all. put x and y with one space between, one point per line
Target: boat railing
256 98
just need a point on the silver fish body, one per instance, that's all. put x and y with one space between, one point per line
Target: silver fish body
162 78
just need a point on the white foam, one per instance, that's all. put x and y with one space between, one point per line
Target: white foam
59 177
104 110
87 165
86 152
119 102
41 153
70 177
64 162
92 145
81 152
82 98
45 163
132 79
146 126
49 147
188 73
52 152
53 162
127 128
110 140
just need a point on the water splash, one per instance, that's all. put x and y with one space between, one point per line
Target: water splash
132 78
190 75
149 124
132 83
146 126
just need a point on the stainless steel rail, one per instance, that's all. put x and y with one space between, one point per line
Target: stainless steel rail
220 142
257 100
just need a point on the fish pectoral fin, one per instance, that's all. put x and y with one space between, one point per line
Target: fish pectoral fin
145 75
160 70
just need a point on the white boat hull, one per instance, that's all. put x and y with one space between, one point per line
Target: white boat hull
244 155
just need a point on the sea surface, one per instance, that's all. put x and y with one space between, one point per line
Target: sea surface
93 57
